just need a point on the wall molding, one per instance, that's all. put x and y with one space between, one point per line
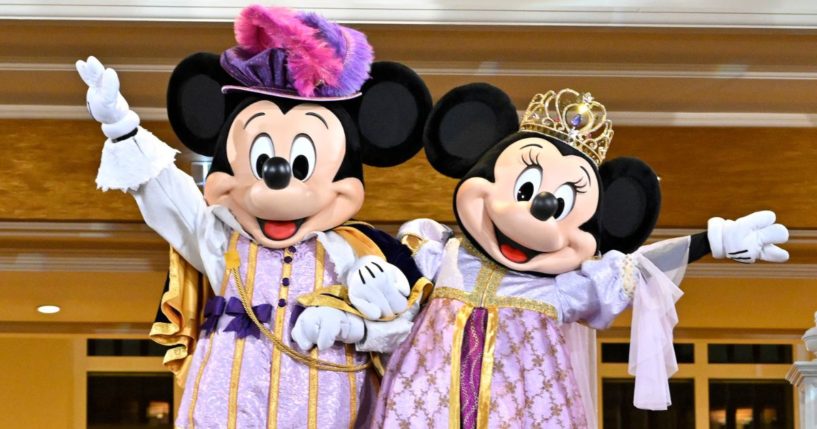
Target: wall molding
495 69
120 247
631 13
620 118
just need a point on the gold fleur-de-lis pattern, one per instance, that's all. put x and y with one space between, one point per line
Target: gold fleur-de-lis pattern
532 385
418 391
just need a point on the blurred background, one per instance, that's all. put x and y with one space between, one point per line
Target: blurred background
719 97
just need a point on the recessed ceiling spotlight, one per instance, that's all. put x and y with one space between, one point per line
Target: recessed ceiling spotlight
48 309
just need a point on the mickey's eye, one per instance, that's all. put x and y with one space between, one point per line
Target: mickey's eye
302 157
566 197
261 150
527 183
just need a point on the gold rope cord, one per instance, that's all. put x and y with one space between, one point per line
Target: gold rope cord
289 351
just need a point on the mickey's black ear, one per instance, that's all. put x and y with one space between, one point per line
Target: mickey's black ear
630 205
393 110
464 124
196 106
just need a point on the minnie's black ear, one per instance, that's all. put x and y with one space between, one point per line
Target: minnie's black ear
393 109
630 205
464 124
196 106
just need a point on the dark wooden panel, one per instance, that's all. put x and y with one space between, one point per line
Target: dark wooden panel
49 168
728 172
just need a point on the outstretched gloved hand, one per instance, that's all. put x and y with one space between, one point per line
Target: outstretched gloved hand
748 239
105 104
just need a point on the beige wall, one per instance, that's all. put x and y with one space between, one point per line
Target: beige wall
36 382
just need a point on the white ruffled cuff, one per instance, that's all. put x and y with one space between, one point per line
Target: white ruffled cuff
385 337
121 127
425 229
128 164
714 233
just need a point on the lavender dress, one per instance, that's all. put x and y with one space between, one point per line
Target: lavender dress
487 351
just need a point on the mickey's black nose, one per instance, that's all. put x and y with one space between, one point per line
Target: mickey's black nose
276 172
543 206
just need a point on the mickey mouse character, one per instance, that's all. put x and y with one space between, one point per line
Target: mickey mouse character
289 117
551 237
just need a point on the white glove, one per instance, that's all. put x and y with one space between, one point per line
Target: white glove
377 288
749 238
322 326
105 104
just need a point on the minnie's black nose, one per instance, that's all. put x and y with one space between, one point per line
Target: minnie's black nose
276 173
543 206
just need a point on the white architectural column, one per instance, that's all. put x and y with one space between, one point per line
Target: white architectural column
803 375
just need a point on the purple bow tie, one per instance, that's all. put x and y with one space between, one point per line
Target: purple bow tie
241 324
212 312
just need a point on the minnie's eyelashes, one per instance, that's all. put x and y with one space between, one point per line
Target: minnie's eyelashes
580 186
530 161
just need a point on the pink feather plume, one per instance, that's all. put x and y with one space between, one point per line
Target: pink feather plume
310 60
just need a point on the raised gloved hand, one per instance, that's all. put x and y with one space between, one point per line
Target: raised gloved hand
377 288
105 104
750 238
322 326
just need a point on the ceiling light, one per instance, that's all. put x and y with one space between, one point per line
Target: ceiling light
48 309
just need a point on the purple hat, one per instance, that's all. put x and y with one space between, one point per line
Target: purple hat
296 55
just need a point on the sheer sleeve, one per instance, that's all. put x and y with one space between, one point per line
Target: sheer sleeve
599 291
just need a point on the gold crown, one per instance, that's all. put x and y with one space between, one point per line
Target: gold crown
573 118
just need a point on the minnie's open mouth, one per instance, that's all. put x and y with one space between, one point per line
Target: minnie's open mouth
280 229
512 250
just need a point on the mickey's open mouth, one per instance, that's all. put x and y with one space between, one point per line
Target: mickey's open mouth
512 250
280 229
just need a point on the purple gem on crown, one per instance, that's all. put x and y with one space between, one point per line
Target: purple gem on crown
577 119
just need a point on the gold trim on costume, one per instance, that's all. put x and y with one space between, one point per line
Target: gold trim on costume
337 297
484 406
377 364
456 356
485 291
525 304
495 301
194 396
182 304
275 364
358 241
627 272
238 355
350 360
413 242
312 417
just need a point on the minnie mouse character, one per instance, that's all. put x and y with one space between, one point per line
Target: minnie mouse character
552 235
289 117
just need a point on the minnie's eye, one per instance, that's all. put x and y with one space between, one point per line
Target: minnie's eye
302 157
262 149
527 184
566 197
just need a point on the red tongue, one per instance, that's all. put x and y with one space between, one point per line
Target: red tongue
279 230
513 254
